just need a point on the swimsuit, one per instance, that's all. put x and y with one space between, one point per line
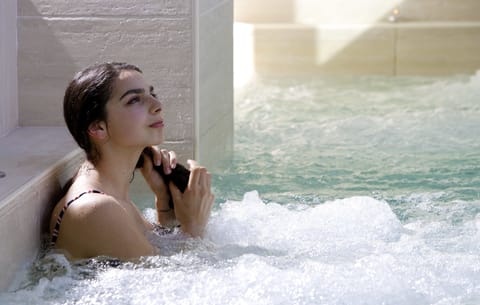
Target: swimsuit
62 213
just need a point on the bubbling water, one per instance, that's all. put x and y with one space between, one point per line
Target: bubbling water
347 251
367 193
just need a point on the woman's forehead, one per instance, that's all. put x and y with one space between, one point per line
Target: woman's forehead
130 76
127 80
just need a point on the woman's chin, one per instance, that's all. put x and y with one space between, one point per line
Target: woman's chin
158 141
158 138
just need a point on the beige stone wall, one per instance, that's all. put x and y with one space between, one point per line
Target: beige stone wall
424 37
265 11
354 12
214 81
24 214
8 66
371 11
58 37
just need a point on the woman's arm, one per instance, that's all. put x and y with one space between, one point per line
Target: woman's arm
168 160
165 214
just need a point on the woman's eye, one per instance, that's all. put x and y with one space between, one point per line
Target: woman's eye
133 100
153 94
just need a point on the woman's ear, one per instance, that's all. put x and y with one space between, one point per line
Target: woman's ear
98 130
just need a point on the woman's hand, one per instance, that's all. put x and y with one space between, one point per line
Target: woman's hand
192 208
168 160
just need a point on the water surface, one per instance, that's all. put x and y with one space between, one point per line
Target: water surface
352 190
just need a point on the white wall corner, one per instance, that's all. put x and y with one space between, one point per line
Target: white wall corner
213 64
8 67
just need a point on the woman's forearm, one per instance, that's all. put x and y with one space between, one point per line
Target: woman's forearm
165 214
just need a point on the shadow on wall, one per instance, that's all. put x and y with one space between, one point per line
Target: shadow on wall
44 68
396 38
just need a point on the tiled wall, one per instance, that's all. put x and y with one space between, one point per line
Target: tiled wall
8 66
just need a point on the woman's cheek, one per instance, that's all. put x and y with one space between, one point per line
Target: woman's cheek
127 126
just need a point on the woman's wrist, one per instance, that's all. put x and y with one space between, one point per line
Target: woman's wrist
167 218
162 202
195 230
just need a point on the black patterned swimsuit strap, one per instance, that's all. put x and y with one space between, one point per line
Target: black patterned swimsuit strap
56 229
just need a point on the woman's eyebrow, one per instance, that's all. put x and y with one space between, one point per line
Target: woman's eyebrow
131 91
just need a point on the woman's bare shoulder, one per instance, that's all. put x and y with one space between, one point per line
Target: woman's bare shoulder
82 203
95 213
98 225
92 202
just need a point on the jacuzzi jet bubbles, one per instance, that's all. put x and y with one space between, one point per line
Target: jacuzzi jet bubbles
311 233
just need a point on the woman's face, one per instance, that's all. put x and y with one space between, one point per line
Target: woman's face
133 112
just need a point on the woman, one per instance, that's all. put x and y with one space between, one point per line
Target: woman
113 114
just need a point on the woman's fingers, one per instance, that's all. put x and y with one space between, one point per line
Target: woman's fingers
156 155
206 180
165 157
192 163
166 161
194 177
173 159
199 177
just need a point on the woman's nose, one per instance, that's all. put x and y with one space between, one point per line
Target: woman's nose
156 105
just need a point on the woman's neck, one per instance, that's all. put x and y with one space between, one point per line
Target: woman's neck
113 172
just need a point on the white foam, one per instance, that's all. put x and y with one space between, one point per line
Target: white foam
346 251
343 226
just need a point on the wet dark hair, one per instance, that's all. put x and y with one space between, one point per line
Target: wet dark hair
85 101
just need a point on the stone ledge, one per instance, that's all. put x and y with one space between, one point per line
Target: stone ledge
37 162
404 48
26 152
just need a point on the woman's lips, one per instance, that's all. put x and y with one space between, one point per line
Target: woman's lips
157 124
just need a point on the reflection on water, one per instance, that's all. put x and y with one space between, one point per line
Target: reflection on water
342 191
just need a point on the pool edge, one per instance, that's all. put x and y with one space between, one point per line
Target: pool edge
24 214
